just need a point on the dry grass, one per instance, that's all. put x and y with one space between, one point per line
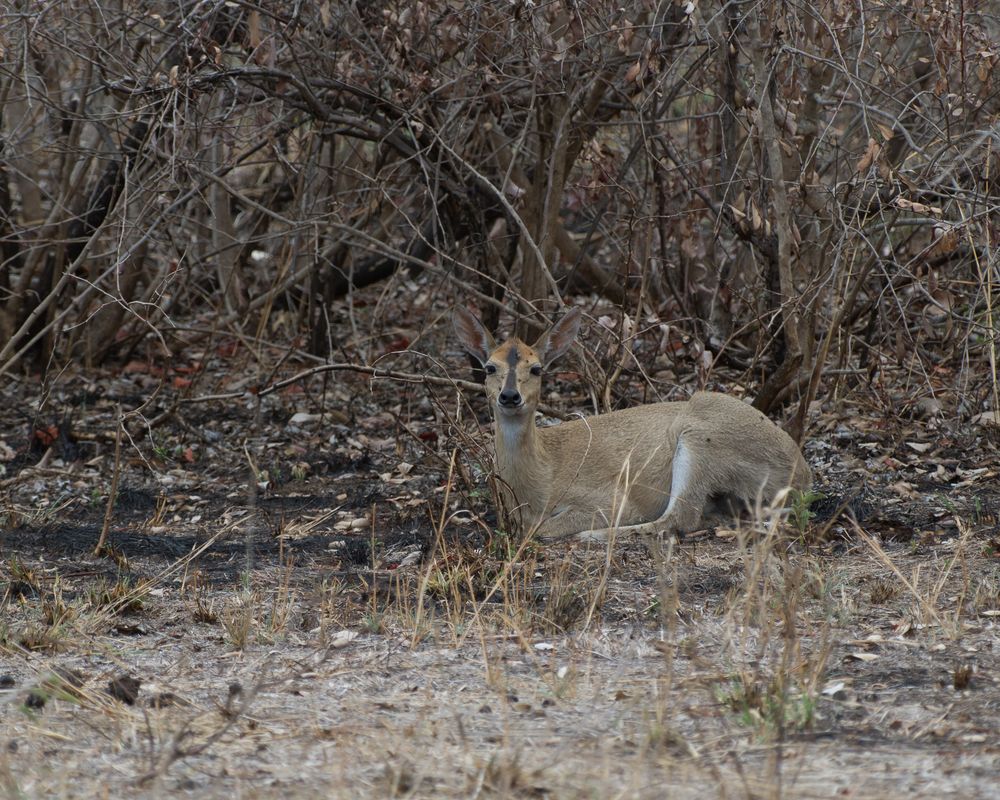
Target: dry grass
746 665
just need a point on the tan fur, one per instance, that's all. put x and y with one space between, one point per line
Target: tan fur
648 469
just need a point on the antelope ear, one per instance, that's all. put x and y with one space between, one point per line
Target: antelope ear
557 339
471 333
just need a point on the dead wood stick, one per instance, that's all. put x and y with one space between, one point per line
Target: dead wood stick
108 512
375 372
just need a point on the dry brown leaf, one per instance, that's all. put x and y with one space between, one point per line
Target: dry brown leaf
253 29
342 639
920 208
859 656
886 131
869 156
904 489
946 239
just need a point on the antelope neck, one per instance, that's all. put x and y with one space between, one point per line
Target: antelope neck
516 438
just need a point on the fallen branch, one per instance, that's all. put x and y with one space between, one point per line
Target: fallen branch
113 494
364 369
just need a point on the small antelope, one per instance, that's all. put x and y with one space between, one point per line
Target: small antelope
649 469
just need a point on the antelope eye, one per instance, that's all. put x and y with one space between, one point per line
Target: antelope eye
536 370
490 369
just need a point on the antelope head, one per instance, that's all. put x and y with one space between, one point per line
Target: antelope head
514 369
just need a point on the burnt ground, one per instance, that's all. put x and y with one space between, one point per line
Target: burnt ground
304 595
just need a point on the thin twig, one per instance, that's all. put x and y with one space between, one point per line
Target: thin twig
109 511
375 372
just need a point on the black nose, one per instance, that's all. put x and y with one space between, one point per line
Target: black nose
510 397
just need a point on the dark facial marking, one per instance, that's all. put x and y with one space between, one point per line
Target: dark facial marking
513 356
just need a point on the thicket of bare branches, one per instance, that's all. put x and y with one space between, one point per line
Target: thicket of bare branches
807 188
